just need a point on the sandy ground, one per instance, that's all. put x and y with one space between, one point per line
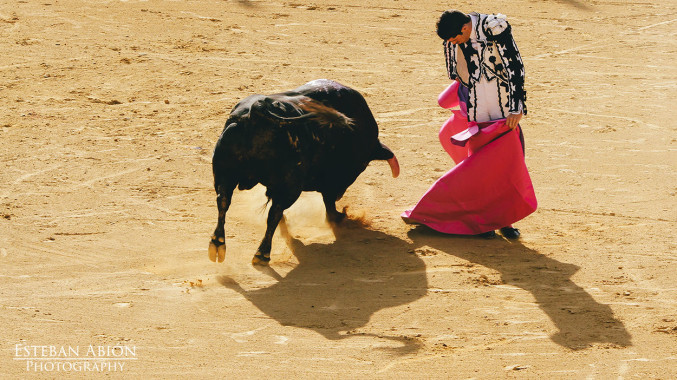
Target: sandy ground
111 110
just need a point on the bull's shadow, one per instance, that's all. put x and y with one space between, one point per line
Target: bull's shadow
337 287
576 4
581 320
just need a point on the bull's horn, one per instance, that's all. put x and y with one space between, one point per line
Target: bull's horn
394 166
384 153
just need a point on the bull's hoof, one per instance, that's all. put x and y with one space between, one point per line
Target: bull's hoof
217 250
336 218
261 259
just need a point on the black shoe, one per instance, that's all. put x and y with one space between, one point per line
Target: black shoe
487 235
510 233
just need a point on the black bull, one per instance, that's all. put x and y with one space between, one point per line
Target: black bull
318 137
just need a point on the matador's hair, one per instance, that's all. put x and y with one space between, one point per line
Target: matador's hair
450 23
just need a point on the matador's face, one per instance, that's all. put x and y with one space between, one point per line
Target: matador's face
464 36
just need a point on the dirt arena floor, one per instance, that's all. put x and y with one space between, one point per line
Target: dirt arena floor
110 112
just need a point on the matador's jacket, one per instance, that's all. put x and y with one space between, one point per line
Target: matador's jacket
491 54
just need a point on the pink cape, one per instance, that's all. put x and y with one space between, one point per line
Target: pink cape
490 186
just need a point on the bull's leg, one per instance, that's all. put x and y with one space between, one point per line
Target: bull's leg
275 214
217 246
262 256
333 216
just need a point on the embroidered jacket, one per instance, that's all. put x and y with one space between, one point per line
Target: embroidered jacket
490 54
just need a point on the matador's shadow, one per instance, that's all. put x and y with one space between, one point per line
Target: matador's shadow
580 319
337 287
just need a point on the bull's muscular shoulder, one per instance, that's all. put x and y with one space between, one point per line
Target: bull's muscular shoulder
278 104
242 108
326 85
319 87
286 103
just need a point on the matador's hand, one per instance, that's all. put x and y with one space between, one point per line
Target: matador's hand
513 119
